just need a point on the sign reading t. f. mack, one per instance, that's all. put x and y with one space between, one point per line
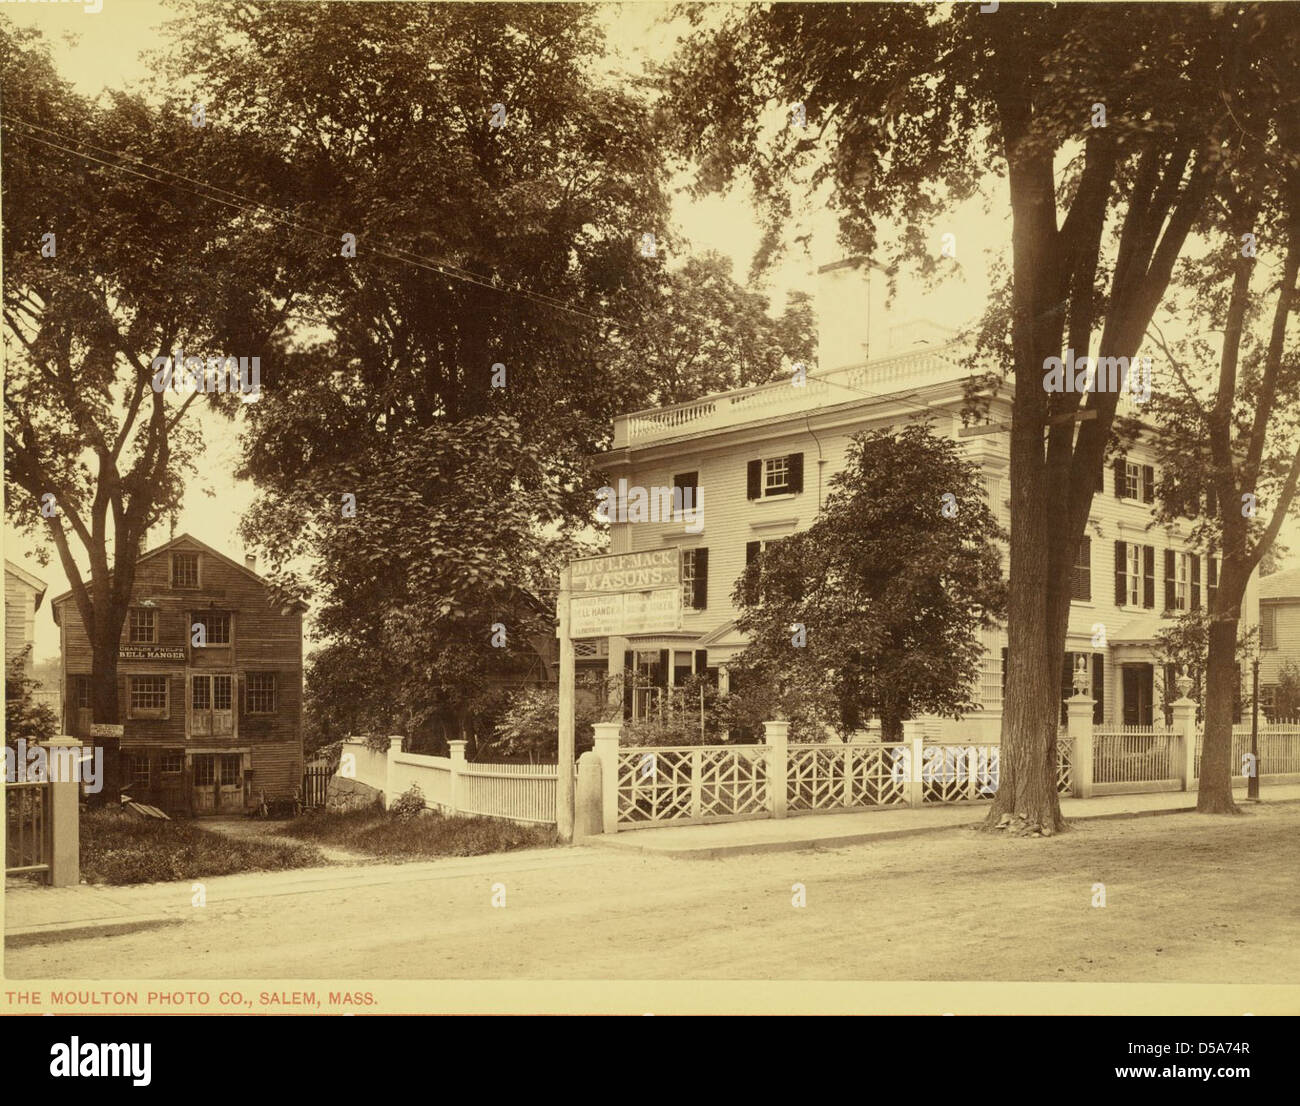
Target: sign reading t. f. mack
626 593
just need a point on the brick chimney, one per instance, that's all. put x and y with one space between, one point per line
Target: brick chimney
250 562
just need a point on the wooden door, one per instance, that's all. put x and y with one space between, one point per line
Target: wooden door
230 786
205 783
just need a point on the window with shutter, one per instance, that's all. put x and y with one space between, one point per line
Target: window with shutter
695 579
1149 576
754 479
1171 597
1081 575
1267 626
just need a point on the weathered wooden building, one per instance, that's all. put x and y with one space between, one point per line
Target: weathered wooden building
210 683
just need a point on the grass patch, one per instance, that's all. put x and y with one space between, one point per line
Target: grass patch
422 837
120 848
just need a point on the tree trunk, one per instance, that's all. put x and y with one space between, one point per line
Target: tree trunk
1214 793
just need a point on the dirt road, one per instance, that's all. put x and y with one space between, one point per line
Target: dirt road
1187 899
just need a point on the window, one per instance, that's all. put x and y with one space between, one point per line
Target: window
1081 576
1267 626
689 483
205 770
1135 575
1134 481
216 626
1182 581
137 770
185 570
261 693
142 626
83 692
210 702
148 696
171 762
695 579
775 476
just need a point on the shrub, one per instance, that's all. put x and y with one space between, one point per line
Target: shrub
409 804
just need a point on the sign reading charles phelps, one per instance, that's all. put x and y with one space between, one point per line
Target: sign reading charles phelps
151 653
626 593
654 568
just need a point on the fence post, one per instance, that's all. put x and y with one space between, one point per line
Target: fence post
1184 727
606 748
914 735
394 747
777 737
63 772
1078 709
457 770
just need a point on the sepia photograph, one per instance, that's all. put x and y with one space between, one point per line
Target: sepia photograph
652 508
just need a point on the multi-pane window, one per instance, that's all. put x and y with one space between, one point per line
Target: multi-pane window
1132 480
216 626
1267 626
776 475
205 770
210 703
142 625
695 579
211 693
83 692
185 570
1134 575
137 770
171 762
1081 573
148 694
1182 574
261 693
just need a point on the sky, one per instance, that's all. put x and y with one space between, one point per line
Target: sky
101 50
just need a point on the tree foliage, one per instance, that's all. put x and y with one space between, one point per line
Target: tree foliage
876 610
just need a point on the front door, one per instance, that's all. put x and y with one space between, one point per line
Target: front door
1138 685
218 783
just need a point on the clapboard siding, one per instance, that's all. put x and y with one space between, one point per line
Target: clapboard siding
265 638
1287 649
732 520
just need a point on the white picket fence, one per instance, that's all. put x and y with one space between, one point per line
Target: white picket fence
1278 743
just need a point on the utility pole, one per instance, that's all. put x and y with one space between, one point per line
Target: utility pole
1252 781
564 769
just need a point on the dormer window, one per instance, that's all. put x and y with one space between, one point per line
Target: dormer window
185 570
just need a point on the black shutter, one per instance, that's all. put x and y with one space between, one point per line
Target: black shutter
687 480
795 462
1101 478
629 682
1098 688
1169 579
1149 576
700 599
755 479
1121 574
1148 484
752 549
1081 572
1196 582
1211 580
1120 477
701 662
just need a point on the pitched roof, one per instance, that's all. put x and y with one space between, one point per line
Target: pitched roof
188 540
34 582
1281 585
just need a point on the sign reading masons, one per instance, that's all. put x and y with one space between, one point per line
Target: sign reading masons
626 593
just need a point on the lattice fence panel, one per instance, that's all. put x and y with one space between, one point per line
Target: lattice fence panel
879 775
732 781
654 786
815 777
